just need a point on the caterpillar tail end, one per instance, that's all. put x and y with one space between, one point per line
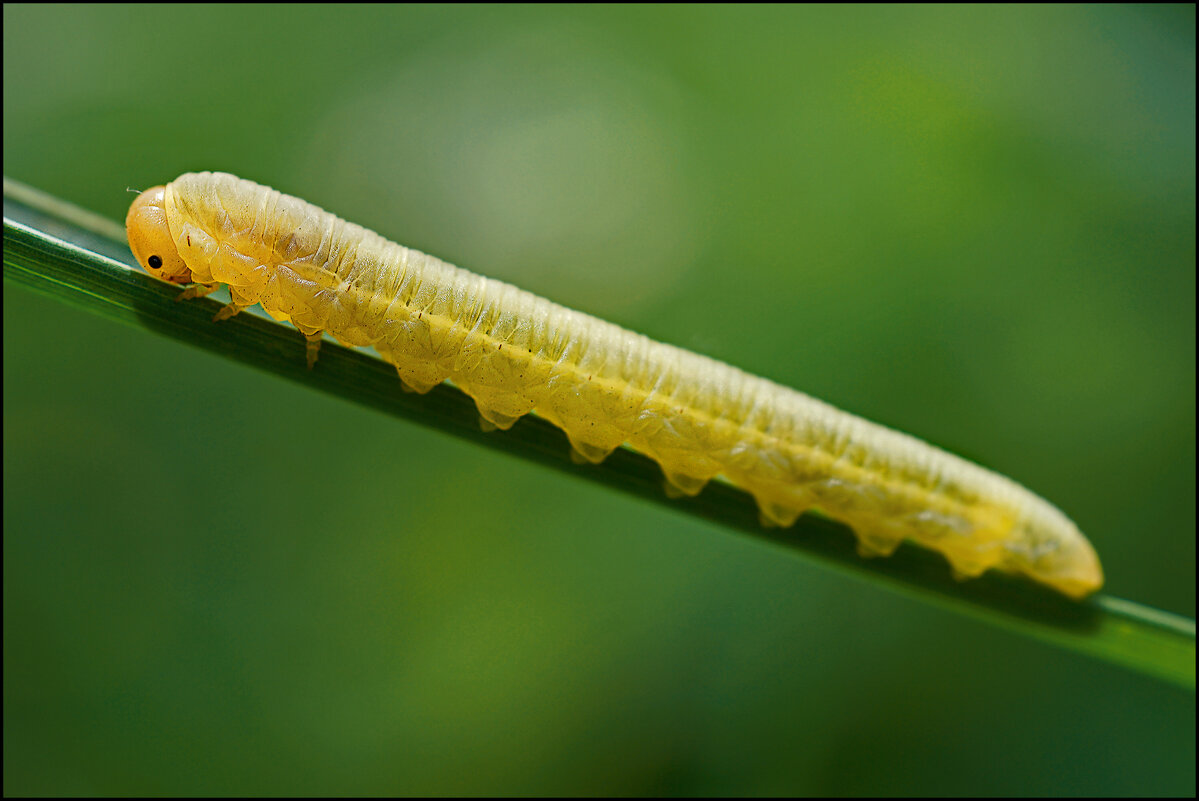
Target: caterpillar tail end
1052 550
1081 577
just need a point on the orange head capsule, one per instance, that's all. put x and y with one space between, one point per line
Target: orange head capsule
150 238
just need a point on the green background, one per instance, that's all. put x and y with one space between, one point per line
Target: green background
974 224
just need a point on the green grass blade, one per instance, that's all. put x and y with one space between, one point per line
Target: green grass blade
64 252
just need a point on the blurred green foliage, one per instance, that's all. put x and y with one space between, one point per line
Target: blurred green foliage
976 224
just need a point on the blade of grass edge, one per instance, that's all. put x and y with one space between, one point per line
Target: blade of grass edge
56 249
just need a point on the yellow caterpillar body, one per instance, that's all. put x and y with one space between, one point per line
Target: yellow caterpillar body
514 353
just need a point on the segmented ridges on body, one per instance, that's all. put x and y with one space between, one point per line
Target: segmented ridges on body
590 348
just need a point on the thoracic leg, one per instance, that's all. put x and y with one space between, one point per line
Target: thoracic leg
227 311
197 291
313 347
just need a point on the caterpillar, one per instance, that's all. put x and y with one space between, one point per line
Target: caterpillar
514 353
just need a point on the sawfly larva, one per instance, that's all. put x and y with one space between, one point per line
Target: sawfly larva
515 353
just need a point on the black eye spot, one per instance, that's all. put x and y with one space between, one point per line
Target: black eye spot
156 262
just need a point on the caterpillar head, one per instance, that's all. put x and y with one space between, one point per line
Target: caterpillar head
150 238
